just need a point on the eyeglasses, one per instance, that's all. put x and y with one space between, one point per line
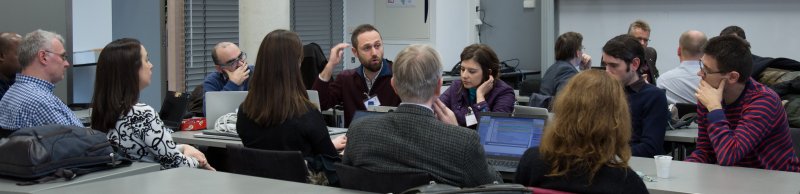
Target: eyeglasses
643 39
63 56
231 63
705 71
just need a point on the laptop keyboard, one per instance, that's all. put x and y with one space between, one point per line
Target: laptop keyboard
504 165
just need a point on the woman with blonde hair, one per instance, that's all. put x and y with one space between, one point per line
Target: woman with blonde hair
585 147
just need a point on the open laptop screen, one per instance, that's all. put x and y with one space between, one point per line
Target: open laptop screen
507 136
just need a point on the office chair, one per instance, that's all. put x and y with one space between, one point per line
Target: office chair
283 165
361 179
795 133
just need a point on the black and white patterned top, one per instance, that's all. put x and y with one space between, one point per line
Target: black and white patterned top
141 136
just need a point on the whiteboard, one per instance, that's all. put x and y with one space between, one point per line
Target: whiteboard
770 25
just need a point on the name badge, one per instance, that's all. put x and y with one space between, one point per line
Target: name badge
372 101
470 118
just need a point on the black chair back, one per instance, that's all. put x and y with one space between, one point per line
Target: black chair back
795 133
283 165
355 178
173 108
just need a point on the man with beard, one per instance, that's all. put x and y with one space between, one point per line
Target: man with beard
365 85
9 64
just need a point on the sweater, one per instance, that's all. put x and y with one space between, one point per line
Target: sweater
649 117
750 132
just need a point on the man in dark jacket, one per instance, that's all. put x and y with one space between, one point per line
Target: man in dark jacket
365 85
640 30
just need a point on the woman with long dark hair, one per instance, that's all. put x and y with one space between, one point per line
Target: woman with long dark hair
123 70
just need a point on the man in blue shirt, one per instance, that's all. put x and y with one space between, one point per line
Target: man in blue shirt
9 63
622 57
30 101
232 74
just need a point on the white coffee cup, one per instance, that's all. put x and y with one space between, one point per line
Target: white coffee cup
662 165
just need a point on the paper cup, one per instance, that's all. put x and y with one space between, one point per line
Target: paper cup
662 165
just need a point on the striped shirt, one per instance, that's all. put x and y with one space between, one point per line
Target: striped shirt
30 102
751 132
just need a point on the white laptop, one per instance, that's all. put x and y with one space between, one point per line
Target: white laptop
313 96
221 103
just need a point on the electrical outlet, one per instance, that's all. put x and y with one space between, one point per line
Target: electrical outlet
352 60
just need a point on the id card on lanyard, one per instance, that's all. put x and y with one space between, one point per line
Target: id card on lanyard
372 101
470 117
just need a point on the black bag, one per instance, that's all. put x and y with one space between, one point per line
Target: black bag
44 153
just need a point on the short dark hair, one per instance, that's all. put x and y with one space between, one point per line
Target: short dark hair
486 58
567 44
732 54
117 87
360 30
733 30
625 47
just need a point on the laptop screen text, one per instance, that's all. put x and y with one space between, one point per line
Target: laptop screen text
509 136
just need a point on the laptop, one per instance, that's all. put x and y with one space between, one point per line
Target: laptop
218 104
505 138
527 110
313 96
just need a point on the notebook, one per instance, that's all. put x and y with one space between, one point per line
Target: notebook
505 138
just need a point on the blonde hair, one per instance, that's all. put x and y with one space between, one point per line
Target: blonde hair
592 126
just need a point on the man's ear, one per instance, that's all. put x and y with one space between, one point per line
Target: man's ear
635 63
391 82
355 51
438 91
733 77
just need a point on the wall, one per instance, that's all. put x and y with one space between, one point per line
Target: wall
258 18
23 16
141 19
91 26
516 32
769 24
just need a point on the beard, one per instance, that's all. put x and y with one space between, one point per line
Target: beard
372 63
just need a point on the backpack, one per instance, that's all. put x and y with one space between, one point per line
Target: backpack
50 152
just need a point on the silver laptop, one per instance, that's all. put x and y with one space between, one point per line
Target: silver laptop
218 104
505 138
527 110
221 103
313 96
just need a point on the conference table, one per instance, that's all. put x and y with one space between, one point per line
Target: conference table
10 186
690 177
188 137
192 180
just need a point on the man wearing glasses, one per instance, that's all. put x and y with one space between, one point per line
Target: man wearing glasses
30 101
622 57
740 122
640 30
232 73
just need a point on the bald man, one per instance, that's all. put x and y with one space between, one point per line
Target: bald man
681 83
9 62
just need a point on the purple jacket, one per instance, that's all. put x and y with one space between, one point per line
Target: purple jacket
500 99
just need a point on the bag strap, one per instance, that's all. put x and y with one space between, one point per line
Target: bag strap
72 173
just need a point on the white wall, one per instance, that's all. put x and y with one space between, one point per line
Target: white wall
256 19
769 24
91 24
